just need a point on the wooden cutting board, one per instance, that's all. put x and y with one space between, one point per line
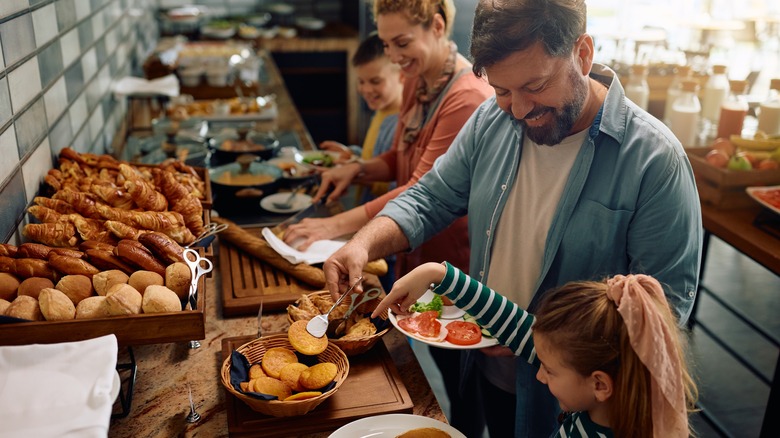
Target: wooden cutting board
247 282
373 387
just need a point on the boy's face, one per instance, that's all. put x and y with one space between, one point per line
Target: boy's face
379 83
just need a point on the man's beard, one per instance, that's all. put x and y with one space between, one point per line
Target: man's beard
563 119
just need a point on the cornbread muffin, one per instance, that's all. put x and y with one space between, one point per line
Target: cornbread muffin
303 341
317 376
275 359
290 375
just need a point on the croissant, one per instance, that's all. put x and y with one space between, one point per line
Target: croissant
44 214
182 201
170 223
90 229
57 205
80 201
115 214
122 231
52 234
145 196
112 195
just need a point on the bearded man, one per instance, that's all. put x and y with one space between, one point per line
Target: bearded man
562 178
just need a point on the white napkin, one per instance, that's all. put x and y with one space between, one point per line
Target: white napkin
318 252
131 85
58 390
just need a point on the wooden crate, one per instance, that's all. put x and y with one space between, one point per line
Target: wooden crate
140 329
724 188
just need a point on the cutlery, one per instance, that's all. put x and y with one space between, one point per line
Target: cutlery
318 325
337 326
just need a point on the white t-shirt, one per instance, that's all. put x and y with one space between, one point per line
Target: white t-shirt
521 233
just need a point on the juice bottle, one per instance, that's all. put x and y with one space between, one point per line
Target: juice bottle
733 110
686 113
637 89
675 87
769 110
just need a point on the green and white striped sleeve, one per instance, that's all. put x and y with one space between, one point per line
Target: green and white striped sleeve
505 320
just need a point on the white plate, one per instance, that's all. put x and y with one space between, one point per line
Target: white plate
485 342
752 191
299 202
391 425
447 312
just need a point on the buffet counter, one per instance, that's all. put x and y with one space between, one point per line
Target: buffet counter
160 401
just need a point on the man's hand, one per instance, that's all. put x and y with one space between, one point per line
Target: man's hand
343 267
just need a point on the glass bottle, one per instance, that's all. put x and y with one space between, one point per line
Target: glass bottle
769 110
733 110
675 87
716 90
637 89
686 112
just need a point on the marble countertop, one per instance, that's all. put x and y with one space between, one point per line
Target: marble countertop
160 402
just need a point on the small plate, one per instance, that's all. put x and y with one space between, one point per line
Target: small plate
391 425
299 202
485 342
759 195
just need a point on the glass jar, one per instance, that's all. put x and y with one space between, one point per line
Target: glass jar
769 110
674 90
716 90
733 110
686 113
637 89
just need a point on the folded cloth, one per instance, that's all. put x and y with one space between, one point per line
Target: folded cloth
318 252
58 390
133 86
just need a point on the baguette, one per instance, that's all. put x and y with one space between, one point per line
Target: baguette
27 268
162 246
72 265
257 247
8 250
33 251
107 261
136 254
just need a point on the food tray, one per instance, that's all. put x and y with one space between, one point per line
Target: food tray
247 282
373 387
724 188
142 329
267 112
754 192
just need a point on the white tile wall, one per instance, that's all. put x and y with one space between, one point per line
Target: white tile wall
35 168
9 152
2 60
8 7
24 83
78 112
89 64
96 123
44 24
70 47
82 9
97 24
56 100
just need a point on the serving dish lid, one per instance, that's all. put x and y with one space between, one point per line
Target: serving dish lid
246 171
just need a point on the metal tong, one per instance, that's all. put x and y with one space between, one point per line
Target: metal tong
210 229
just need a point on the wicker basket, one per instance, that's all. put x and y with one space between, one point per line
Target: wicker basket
353 347
254 351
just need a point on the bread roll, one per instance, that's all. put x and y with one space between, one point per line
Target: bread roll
178 278
103 281
4 306
106 260
25 307
136 254
55 305
32 286
160 299
140 280
72 265
123 299
92 307
8 286
76 287
162 246
29 267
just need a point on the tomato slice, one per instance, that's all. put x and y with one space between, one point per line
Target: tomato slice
425 324
463 333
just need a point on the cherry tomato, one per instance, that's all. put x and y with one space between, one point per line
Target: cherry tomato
463 333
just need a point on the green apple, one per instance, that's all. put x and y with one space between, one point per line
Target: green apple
775 155
739 162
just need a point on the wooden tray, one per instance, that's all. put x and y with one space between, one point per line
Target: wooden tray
373 387
247 282
140 329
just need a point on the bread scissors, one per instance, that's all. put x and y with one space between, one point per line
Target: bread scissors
198 266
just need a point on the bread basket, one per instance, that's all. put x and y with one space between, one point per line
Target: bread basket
254 351
355 346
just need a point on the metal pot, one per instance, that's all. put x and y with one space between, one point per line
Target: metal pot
226 148
246 181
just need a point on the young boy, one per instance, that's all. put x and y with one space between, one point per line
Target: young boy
380 84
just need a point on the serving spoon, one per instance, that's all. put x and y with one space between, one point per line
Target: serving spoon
318 325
